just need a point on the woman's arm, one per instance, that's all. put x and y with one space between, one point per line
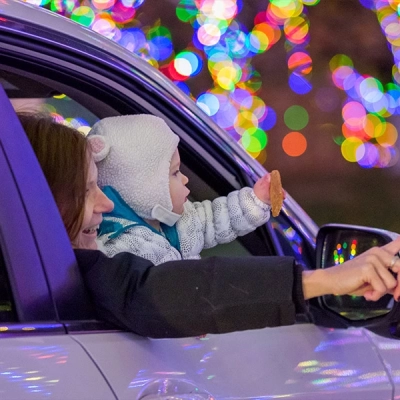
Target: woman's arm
218 294
193 297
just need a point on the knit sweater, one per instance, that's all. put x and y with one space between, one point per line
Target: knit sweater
202 225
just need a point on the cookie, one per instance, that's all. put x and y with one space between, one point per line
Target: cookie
276 193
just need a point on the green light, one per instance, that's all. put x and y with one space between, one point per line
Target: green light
339 140
254 139
83 15
296 117
186 10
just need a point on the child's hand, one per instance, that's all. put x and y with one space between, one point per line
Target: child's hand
261 188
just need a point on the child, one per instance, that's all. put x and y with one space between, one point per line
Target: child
138 165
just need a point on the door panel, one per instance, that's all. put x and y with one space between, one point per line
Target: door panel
301 362
43 367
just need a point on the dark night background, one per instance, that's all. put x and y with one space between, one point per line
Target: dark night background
327 186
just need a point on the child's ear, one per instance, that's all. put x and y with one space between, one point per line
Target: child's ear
99 146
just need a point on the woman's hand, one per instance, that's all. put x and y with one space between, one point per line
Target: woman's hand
366 275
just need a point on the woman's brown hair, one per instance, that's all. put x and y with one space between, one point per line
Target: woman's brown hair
63 155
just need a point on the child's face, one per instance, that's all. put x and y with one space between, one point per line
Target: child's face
177 184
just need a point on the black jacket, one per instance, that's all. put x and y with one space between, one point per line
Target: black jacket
192 297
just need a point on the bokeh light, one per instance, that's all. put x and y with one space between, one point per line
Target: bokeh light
300 63
103 4
254 139
209 103
353 149
294 144
296 117
224 48
188 63
83 15
299 84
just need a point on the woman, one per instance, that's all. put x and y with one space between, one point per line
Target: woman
186 298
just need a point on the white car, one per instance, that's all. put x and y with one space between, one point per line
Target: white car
52 346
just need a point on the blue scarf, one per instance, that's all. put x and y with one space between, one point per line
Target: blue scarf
122 210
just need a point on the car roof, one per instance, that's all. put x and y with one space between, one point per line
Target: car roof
49 20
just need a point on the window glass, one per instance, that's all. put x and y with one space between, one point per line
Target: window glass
28 94
291 241
62 108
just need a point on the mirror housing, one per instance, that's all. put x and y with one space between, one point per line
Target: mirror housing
337 243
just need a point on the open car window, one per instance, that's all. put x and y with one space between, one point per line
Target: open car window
81 105
207 180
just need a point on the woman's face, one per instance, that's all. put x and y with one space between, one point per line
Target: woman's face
96 204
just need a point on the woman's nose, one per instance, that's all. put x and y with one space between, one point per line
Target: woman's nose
185 179
103 203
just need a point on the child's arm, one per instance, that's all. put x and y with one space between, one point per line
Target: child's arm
206 224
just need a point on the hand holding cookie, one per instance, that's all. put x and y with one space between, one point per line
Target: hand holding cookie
269 190
276 193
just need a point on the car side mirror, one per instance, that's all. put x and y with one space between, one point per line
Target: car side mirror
337 243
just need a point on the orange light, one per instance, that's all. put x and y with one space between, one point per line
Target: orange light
294 144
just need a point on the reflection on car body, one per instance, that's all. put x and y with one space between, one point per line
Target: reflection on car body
52 346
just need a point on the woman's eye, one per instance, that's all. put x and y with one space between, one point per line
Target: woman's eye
176 172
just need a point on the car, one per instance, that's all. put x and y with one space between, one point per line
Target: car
52 345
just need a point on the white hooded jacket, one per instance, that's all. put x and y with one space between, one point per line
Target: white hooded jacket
133 155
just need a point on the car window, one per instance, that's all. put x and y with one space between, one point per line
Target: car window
29 95
206 181
209 173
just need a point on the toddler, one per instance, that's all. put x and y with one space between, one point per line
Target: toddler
139 170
